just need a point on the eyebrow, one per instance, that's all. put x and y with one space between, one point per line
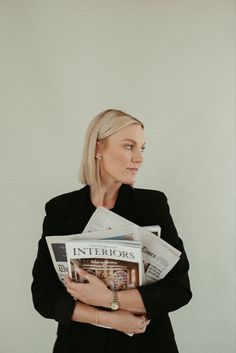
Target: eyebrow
131 140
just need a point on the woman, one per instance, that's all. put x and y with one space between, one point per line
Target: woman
112 156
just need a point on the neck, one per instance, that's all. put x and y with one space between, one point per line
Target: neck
105 196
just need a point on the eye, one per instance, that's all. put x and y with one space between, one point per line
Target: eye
129 147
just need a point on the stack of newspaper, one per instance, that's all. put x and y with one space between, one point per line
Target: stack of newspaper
121 253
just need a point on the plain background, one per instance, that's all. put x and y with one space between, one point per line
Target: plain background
170 63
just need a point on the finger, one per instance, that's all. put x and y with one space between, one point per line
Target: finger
75 287
70 284
69 290
88 276
73 293
140 329
142 326
67 280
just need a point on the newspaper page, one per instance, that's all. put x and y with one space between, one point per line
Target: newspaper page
103 218
159 257
117 263
57 248
155 229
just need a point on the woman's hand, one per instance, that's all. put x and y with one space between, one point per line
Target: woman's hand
128 322
120 320
95 292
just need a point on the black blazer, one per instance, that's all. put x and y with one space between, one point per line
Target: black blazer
69 214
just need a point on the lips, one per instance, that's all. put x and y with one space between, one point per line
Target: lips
133 170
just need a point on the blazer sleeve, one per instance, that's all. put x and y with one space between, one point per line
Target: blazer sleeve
50 297
173 291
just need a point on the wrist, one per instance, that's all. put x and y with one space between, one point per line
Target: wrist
107 299
115 304
112 300
106 318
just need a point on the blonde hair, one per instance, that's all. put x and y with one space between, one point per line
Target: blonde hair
103 125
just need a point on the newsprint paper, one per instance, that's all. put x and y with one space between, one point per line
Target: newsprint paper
57 244
117 263
158 257
121 253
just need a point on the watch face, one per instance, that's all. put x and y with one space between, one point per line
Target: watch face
114 306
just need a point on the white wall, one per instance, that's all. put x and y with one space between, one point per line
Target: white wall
170 63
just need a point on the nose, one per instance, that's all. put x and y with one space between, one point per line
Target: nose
137 156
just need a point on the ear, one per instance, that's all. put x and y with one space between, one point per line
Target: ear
99 147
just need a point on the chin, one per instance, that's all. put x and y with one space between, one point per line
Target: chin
129 181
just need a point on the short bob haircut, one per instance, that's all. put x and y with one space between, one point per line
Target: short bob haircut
102 126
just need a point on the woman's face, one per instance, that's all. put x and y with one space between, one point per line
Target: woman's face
122 155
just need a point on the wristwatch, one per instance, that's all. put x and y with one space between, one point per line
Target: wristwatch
115 305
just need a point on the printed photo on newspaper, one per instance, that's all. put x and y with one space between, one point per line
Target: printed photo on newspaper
117 263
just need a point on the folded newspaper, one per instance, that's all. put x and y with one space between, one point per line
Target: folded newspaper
158 257
57 244
122 254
